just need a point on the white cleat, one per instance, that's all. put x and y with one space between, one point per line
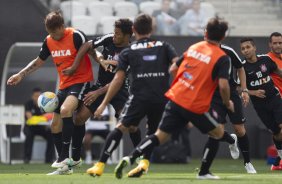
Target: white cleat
208 176
66 162
250 168
234 151
75 163
61 171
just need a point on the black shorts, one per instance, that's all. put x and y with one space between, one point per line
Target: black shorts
135 110
219 111
77 90
270 113
117 102
175 118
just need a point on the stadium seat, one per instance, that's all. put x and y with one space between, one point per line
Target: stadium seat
112 2
87 24
149 7
208 9
71 9
100 9
87 2
107 24
126 9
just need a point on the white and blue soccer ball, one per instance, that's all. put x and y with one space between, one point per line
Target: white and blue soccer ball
48 101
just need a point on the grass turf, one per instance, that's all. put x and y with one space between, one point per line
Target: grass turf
230 171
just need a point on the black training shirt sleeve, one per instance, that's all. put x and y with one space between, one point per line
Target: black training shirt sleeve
79 38
179 61
123 60
272 65
102 40
44 51
171 52
222 68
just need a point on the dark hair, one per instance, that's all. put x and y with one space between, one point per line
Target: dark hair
125 25
54 20
37 89
216 29
274 34
143 24
247 39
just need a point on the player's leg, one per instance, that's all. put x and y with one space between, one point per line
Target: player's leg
171 121
45 132
238 120
87 146
118 103
131 115
154 114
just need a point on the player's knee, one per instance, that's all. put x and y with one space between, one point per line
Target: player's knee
56 127
240 131
132 129
122 128
66 112
79 120
217 133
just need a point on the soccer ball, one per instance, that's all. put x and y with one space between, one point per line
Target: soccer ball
48 101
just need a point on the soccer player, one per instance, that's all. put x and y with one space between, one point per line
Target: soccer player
219 111
275 45
62 44
112 45
149 61
265 96
204 67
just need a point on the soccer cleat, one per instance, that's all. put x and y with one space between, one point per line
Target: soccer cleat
250 168
61 171
276 168
138 171
96 170
121 165
234 151
75 163
67 161
208 176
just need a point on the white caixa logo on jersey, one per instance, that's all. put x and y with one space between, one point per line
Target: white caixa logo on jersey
59 53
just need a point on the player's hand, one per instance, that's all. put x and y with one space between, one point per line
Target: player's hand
230 106
14 79
68 71
245 98
108 64
90 97
99 111
260 93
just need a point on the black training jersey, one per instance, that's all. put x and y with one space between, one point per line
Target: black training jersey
110 52
149 61
236 63
257 76
78 39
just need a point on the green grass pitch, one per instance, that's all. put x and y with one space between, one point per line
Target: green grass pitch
230 171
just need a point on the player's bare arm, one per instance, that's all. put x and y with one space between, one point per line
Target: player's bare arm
93 95
245 95
32 66
260 93
80 54
114 87
224 90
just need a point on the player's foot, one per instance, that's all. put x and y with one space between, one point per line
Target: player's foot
75 163
208 176
234 151
61 171
250 168
88 160
121 165
142 168
276 168
63 163
96 170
